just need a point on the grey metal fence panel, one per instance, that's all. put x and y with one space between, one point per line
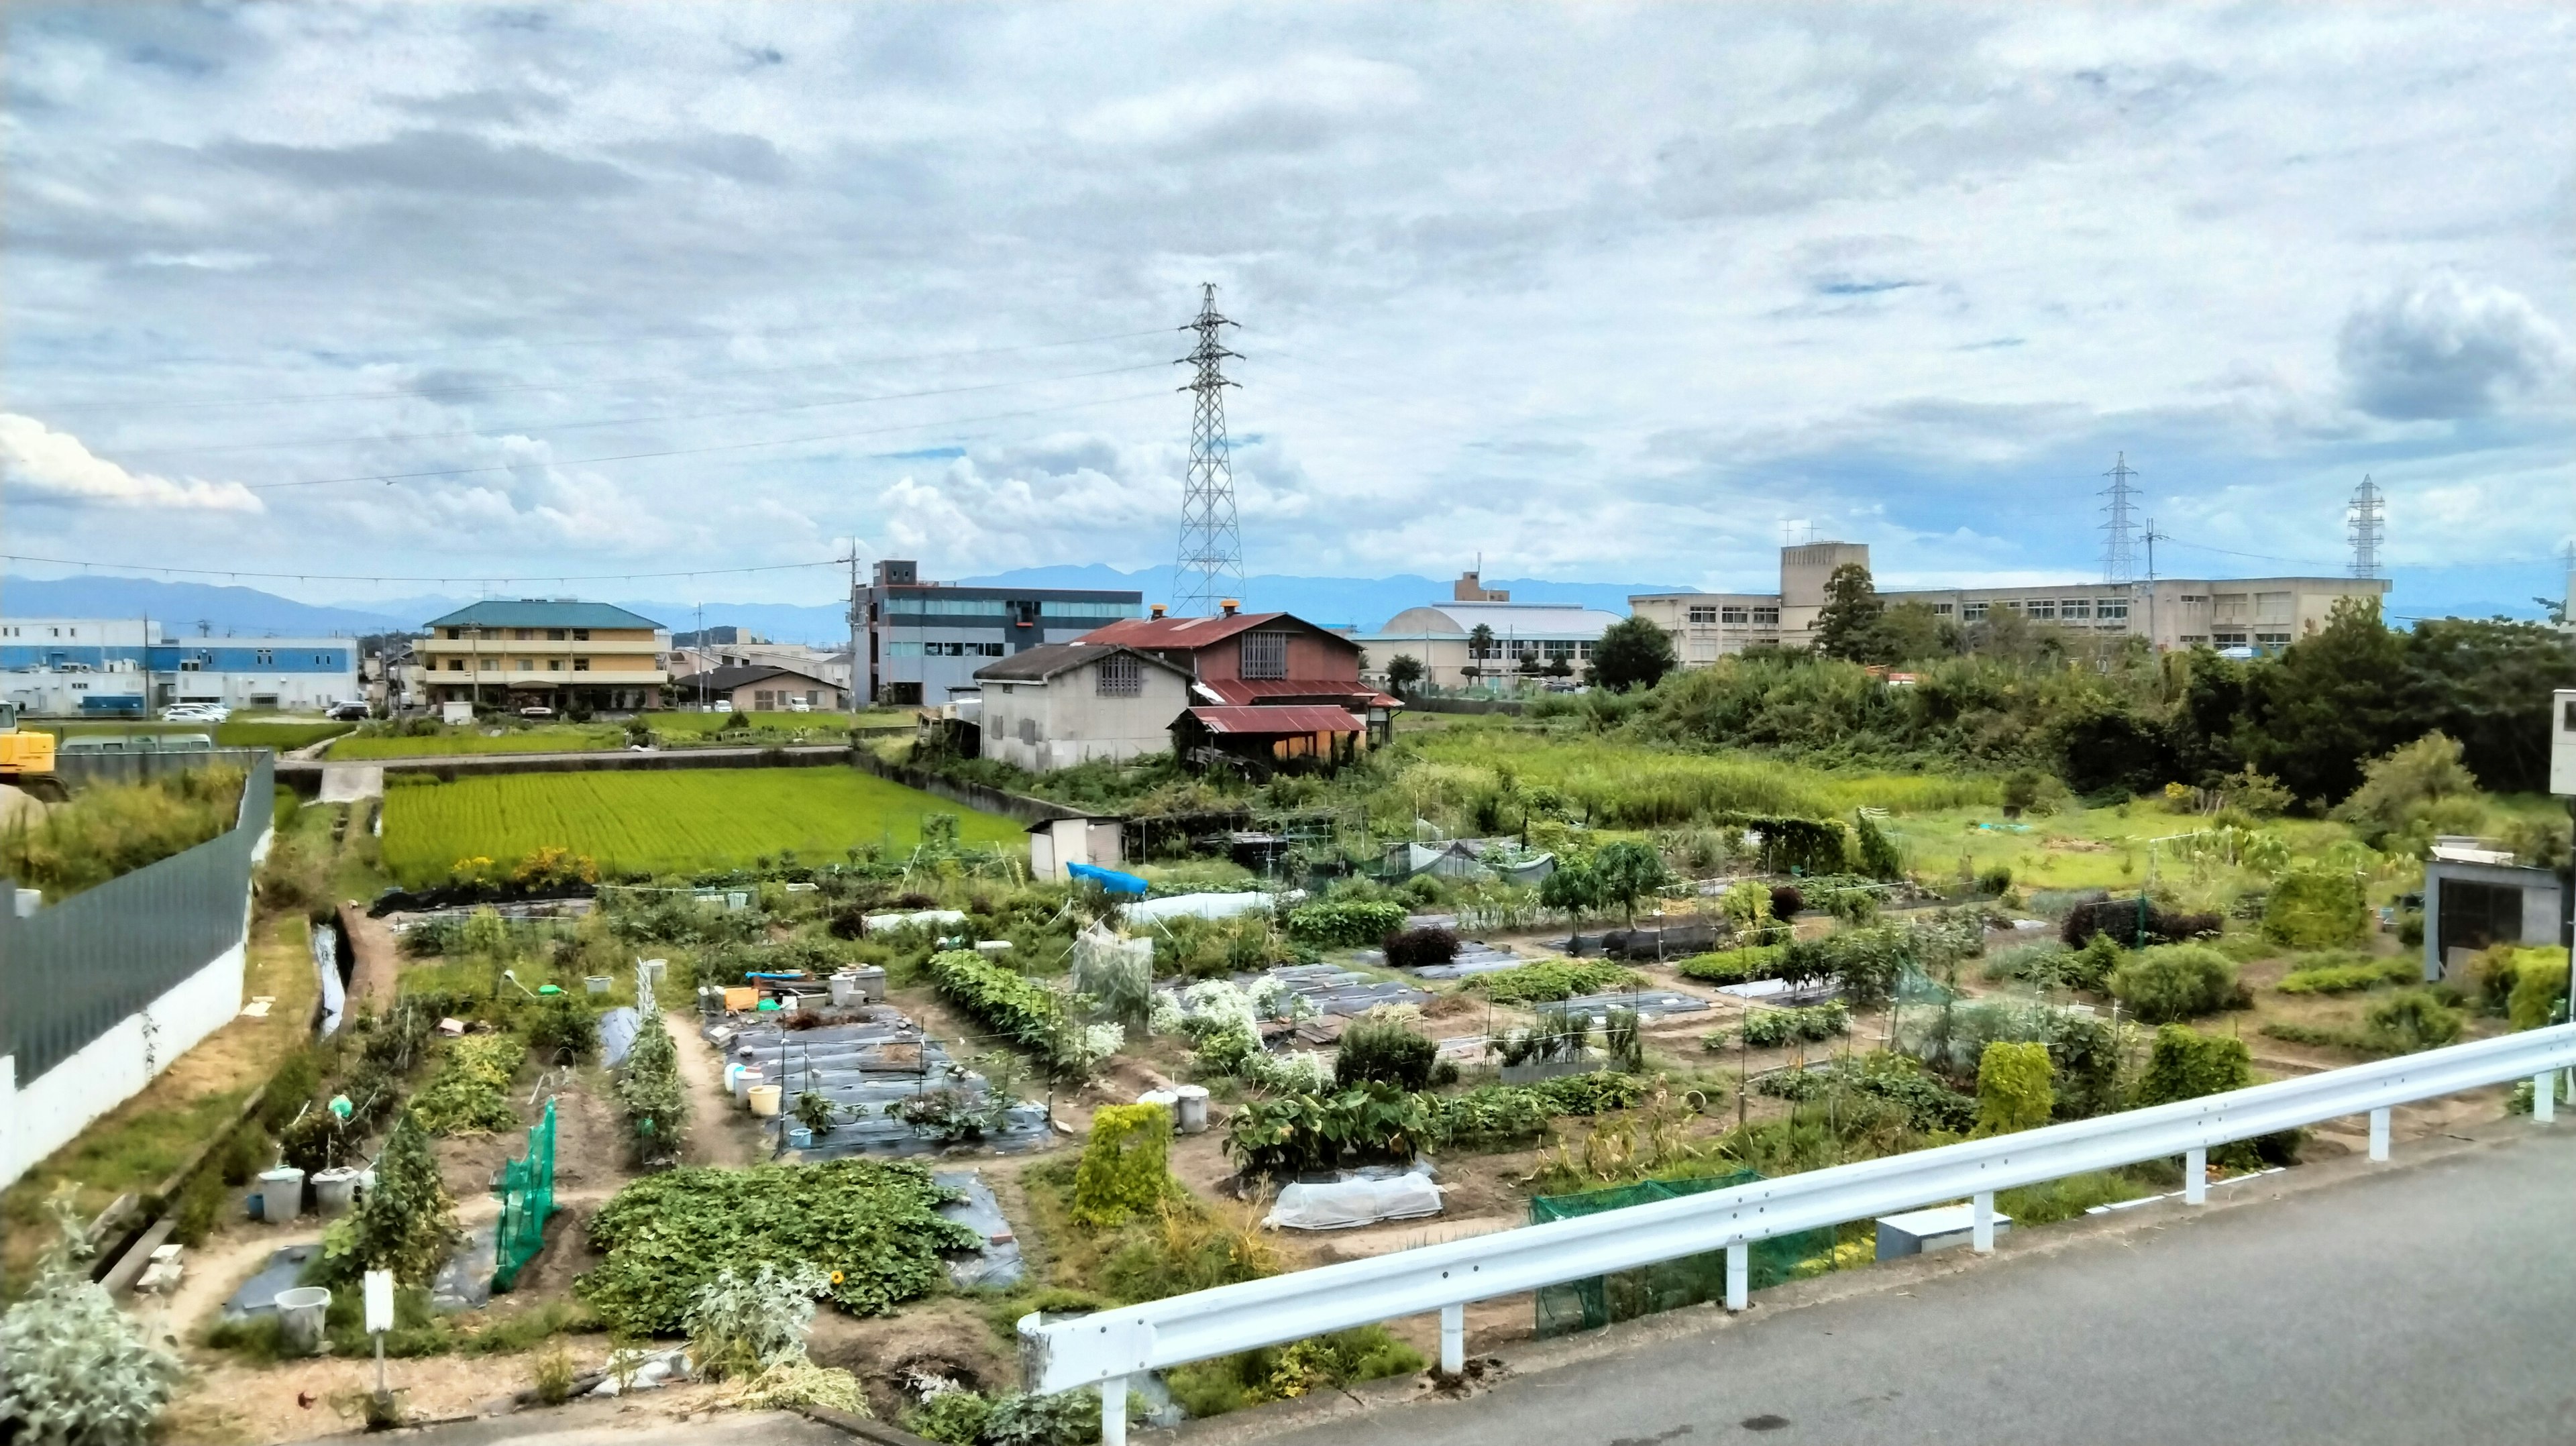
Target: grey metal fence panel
71 971
79 770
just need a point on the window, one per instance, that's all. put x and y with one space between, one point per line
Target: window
2192 639
2273 607
2227 639
581 635
522 634
581 665
2112 610
984 650
554 635
1265 655
1734 616
1121 677
1766 617
2043 609
454 665
903 650
1707 614
2076 609
1943 610
1974 612
2271 640
1028 730
448 633
2192 599
263 658
764 700
527 665
1087 608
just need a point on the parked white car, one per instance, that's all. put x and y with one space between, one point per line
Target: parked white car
799 705
195 713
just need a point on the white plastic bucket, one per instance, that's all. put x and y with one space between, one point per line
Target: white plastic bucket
1190 1105
744 1078
764 1099
598 983
334 1191
872 983
301 1311
845 989
281 1194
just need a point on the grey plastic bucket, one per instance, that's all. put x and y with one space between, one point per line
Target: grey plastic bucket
300 1313
281 1194
334 1191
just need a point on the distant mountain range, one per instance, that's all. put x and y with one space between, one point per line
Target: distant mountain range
2506 590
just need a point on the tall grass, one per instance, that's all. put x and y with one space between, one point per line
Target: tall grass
115 828
1624 784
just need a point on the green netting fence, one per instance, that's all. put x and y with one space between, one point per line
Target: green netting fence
1589 1304
527 1191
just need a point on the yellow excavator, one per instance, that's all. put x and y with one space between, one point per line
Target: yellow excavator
27 757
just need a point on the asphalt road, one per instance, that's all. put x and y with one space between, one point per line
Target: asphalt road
2433 1304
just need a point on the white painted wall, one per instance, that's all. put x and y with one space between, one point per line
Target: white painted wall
1065 721
40 1116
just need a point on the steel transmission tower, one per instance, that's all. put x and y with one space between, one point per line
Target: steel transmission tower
2367 527
2119 551
1211 556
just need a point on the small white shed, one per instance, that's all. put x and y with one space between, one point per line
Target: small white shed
1057 842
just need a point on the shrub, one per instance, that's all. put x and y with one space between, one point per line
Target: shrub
1421 948
1747 906
2539 988
953 1418
470 1093
116 828
2413 1019
1187 1246
1345 1358
79 1370
561 1027
1766 1028
406 1224
2013 1088
2187 1065
1344 923
2316 909
1384 1048
2178 981
1548 980
1786 901
1732 966
1126 1167
872 1226
1995 881
650 1094
1878 857
2348 978
2131 922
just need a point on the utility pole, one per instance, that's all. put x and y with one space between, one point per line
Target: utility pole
2151 538
2367 526
2118 560
1210 566
851 694
701 609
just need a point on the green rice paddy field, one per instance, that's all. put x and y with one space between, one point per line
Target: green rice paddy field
674 822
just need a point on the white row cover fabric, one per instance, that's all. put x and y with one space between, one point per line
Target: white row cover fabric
1348 1204
879 923
1197 906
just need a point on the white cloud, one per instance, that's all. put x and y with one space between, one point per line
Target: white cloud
44 465
2445 348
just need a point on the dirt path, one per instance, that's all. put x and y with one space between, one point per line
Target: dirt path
375 959
715 1137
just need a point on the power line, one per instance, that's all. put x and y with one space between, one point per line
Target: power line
498 389
390 478
1210 569
462 576
528 427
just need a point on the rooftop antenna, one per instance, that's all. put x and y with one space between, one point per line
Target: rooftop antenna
2119 558
2367 525
1211 552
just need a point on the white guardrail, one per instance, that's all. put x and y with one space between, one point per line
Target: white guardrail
1107 1347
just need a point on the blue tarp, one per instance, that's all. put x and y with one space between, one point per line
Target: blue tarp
1110 879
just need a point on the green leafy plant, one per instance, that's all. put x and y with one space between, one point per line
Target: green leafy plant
1770 1028
872 1226
1549 980
2348 978
953 1418
1126 1164
650 1094
1384 1047
78 1370
2314 908
2013 1088
1420 948
1627 871
742 1322
560 1028
1030 1015
470 1093
814 1112
2413 1019
1344 923
406 1223
2171 982
2188 1065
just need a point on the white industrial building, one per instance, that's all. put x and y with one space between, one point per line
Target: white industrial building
131 667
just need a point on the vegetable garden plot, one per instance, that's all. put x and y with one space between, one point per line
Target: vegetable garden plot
675 822
1598 1300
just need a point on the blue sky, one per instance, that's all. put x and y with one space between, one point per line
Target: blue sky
1599 292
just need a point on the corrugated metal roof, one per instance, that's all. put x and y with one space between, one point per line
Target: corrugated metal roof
1282 718
541 613
1180 632
1048 659
1241 691
729 678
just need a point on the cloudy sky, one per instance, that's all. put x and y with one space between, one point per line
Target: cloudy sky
1601 292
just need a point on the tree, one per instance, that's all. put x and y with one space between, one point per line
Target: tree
1480 643
2487 683
1632 653
2013 1091
1848 627
1403 671
406 1223
1627 871
1910 631
2327 704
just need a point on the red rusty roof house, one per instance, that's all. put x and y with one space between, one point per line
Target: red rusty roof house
1267 664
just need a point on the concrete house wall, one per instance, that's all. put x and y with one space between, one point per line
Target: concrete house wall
1042 726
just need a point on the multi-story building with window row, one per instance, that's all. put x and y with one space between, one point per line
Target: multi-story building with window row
127 667
545 652
2264 614
924 640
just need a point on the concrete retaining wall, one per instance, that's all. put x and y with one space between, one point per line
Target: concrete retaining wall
970 795
1465 705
